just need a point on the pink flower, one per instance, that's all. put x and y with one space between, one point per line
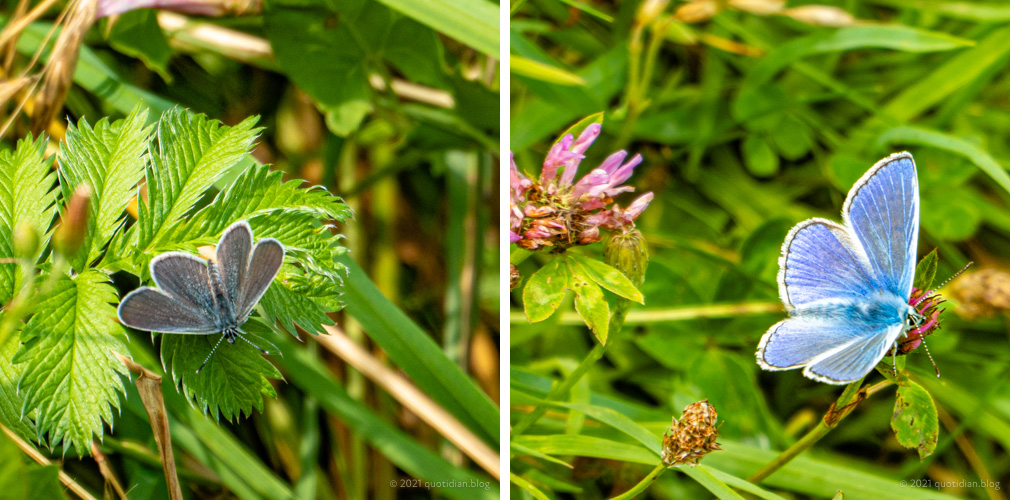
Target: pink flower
558 211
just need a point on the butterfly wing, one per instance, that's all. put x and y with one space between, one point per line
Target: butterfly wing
233 253
852 361
267 257
882 210
822 260
833 351
154 310
184 277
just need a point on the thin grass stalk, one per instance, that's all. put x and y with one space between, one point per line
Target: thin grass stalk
643 484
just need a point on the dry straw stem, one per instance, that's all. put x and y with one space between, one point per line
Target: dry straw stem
58 73
107 472
411 398
149 387
42 460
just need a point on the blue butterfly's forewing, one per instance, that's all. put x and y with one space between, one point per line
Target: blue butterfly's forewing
821 260
233 253
266 260
882 209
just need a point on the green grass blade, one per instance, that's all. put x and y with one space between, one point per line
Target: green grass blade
543 72
472 22
932 138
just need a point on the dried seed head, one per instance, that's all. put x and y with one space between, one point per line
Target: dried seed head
985 293
691 437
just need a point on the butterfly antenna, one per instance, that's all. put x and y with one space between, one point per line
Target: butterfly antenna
211 353
937 368
264 351
963 269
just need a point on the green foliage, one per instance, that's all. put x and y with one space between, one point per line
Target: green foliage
915 421
925 271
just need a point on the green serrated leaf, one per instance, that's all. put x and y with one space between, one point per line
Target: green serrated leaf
109 159
545 290
608 277
914 421
193 152
11 401
235 378
71 376
925 271
589 301
294 299
27 196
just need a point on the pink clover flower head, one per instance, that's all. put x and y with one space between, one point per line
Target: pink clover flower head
557 211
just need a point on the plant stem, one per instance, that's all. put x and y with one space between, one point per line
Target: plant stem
851 396
643 484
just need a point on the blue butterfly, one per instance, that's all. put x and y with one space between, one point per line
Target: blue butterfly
847 286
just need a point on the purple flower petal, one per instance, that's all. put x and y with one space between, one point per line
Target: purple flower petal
587 137
597 179
556 157
513 237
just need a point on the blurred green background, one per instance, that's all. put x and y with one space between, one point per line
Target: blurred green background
752 116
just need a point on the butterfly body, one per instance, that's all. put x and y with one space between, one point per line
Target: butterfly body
847 286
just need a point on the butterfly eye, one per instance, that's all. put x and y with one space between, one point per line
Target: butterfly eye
911 321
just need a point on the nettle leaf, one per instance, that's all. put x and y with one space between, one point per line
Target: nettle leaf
71 376
193 152
925 271
301 298
914 421
11 401
545 290
108 159
235 378
27 196
589 301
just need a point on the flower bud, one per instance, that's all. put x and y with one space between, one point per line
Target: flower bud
74 222
628 253
26 241
691 437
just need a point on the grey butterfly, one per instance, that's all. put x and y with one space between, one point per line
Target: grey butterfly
196 296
